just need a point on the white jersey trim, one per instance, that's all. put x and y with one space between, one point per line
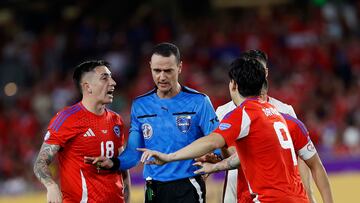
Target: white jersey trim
282 107
84 196
256 198
307 151
245 124
222 110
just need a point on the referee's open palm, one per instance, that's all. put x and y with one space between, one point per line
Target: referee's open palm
153 157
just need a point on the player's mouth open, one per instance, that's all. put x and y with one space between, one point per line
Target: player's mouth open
110 92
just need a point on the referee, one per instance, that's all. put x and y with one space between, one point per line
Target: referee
166 119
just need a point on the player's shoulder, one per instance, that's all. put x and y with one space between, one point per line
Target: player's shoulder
68 114
229 105
282 107
113 113
195 96
293 122
193 92
146 95
114 116
222 110
70 111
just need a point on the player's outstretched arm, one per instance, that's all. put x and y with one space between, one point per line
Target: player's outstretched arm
229 163
320 177
198 148
127 159
306 179
42 172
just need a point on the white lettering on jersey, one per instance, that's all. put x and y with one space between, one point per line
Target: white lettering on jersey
270 111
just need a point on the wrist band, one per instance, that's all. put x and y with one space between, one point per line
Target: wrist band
116 164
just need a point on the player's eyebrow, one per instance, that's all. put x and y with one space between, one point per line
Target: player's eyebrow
105 74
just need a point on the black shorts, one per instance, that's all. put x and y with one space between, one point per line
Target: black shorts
187 190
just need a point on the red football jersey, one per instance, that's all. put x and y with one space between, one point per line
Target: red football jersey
303 147
81 133
266 151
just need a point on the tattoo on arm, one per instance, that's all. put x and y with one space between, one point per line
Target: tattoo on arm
233 161
229 163
43 160
126 192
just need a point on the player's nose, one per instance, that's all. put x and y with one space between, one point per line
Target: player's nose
112 82
162 76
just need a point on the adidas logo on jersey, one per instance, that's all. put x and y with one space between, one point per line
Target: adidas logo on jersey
89 133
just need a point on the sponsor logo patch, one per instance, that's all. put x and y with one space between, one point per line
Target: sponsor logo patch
224 126
147 130
183 123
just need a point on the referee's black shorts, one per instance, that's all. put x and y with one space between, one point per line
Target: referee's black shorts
187 190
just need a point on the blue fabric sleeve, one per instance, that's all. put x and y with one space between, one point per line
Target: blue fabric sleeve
209 121
218 152
131 157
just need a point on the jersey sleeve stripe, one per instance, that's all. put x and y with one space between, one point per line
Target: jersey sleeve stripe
299 124
61 115
66 115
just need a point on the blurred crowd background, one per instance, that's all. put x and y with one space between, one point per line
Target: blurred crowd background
313 48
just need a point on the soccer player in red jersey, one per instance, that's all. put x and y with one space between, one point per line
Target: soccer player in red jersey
87 128
260 135
230 186
303 147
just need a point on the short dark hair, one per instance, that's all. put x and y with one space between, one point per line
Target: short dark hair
249 75
166 49
85 67
255 54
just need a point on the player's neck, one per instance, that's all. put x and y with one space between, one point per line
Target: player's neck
238 99
171 93
264 97
93 107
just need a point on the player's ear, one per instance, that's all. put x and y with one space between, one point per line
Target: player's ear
86 87
180 67
233 85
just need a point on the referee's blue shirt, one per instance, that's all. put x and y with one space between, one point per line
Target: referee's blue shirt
167 125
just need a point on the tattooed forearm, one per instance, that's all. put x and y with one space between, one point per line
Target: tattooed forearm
233 161
43 160
229 163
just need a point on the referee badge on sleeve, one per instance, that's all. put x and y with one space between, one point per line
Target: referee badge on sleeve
147 130
183 123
